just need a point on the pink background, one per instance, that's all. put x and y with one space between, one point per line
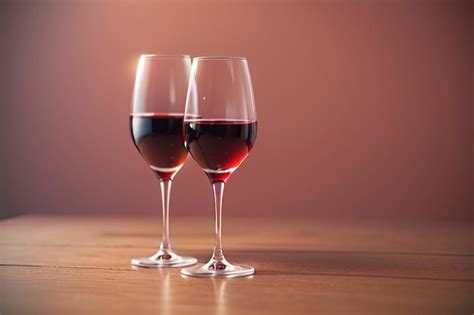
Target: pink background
364 107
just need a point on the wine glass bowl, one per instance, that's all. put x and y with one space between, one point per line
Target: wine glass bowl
157 137
220 146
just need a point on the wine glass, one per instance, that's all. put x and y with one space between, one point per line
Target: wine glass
220 128
156 124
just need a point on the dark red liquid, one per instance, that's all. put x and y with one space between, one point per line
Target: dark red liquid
219 146
158 137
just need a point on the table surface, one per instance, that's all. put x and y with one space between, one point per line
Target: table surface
81 265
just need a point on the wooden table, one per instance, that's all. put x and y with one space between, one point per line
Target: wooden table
81 265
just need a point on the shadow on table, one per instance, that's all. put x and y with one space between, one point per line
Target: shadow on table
387 264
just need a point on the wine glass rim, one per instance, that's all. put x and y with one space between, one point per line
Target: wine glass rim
158 56
220 58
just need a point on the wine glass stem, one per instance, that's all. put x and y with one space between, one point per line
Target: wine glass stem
218 190
165 198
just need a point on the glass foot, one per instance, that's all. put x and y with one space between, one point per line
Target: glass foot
218 268
164 259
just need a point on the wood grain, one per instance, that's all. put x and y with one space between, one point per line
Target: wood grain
55 265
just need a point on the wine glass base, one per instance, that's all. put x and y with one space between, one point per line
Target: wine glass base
218 269
164 259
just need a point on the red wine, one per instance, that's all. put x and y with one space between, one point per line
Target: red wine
158 138
219 146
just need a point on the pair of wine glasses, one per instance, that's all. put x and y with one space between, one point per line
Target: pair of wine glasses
205 107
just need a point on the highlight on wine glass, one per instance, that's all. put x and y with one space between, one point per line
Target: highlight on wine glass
156 125
220 128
